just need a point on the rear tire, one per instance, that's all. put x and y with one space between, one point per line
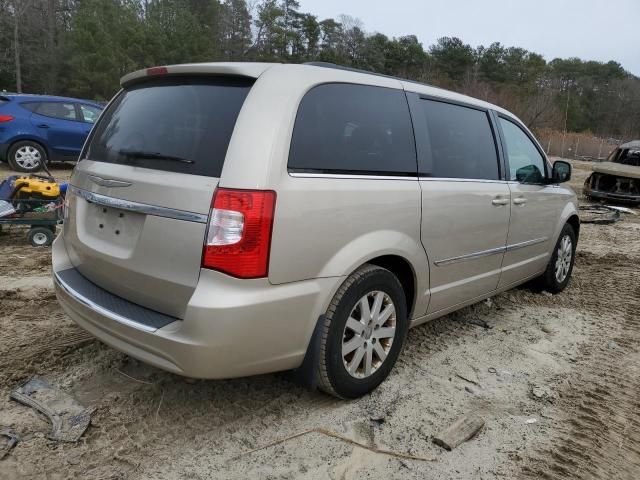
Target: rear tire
40 236
558 273
363 333
26 156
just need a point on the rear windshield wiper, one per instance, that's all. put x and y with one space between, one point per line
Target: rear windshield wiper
153 155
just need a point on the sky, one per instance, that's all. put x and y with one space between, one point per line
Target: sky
600 30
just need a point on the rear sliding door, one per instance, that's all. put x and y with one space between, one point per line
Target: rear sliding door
465 202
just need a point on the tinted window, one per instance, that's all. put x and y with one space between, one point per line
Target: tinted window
353 129
31 106
172 124
526 164
89 114
460 140
65 111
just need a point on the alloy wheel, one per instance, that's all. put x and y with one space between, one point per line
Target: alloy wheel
368 334
563 258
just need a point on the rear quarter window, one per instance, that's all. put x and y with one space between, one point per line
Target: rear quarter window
175 124
31 106
461 140
353 129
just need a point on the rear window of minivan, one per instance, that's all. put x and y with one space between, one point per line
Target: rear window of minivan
175 124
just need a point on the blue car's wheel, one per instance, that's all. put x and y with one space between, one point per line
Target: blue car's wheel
26 156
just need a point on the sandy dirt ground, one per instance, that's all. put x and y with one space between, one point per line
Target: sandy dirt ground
555 377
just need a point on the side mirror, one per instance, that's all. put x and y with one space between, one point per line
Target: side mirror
561 171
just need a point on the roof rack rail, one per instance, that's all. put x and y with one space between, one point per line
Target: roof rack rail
366 72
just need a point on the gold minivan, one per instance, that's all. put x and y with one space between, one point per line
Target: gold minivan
233 219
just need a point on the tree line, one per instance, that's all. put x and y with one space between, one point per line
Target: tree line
81 48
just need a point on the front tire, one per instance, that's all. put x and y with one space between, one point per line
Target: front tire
558 273
363 333
26 156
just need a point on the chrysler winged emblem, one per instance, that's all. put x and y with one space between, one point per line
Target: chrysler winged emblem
107 182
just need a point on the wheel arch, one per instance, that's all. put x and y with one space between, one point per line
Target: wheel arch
574 221
404 272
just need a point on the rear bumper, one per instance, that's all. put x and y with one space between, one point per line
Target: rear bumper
232 328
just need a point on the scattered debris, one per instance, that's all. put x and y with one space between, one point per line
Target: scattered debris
459 432
332 434
492 370
546 329
488 302
543 394
13 437
613 345
598 214
547 294
479 322
531 420
470 390
69 419
377 419
621 209
467 379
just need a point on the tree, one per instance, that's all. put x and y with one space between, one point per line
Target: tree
236 29
83 47
452 58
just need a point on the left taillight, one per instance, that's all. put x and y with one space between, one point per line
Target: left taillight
239 232
6 118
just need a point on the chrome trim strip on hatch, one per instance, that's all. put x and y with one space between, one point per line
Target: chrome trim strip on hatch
98 308
107 201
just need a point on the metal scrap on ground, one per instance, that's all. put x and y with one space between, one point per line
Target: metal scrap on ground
598 214
13 439
69 419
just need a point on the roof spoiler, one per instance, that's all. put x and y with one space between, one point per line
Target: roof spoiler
247 69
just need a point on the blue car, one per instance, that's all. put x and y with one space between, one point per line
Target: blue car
40 128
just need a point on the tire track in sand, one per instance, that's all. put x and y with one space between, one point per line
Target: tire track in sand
599 434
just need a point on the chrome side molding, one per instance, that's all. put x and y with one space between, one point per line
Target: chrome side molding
528 243
491 251
469 256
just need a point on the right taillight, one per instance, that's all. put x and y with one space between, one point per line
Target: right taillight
6 118
239 232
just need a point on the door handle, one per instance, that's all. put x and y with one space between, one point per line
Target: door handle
519 201
498 201
43 125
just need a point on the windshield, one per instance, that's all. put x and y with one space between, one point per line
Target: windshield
630 157
175 124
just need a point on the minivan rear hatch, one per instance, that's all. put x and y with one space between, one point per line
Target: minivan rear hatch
140 196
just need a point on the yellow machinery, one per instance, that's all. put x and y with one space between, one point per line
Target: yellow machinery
35 188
